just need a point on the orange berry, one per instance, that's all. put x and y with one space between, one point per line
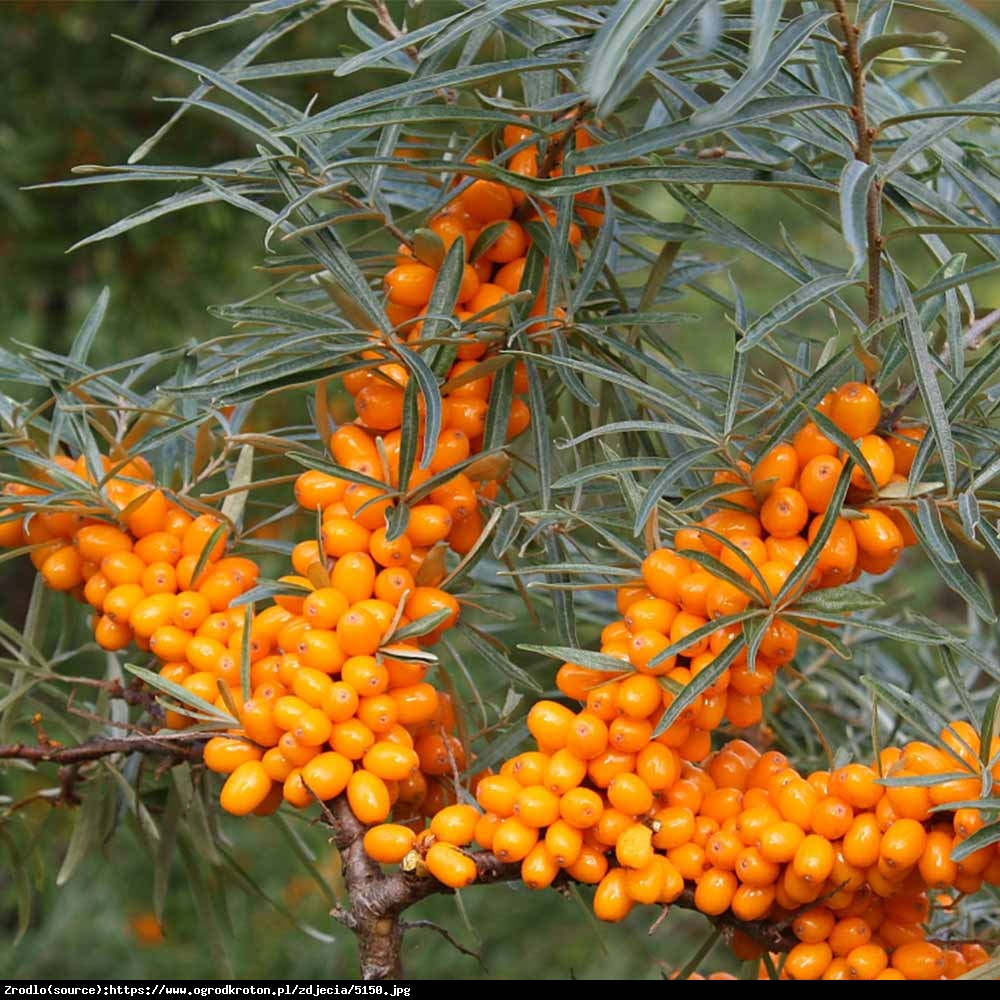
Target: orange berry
629 793
514 839
879 457
245 788
487 201
368 797
784 513
856 409
612 901
905 446
714 891
581 808
662 572
808 961
810 442
779 467
410 284
389 843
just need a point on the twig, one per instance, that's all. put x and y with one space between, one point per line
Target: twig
851 51
188 748
447 935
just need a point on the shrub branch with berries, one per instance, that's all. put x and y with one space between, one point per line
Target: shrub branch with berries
464 365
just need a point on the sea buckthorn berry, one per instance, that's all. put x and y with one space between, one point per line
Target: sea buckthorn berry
587 736
539 868
456 824
95 541
779 467
662 572
867 961
714 891
368 797
410 284
856 409
497 793
536 806
390 761
358 633
784 513
582 807
810 442
514 839
633 846
905 442
548 723
223 754
643 649
645 884
564 842
919 960
878 455
780 841
327 774
487 201
861 843
629 793
877 533
388 843
590 867
315 490
245 788
450 866
808 961
813 925
818 480
612 901
342 535
902 844
832 818
856 784
848 934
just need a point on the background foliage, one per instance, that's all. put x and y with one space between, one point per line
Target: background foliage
88 102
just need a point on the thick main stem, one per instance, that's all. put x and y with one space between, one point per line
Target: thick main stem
863 152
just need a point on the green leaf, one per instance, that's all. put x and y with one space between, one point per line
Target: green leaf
609 48
793 305
88 831
841 600
937 129
239 62
669 137
855 183
652 43
235 502
182 695
453 78
581 657
954 575
933 533
497 659
981 838
84 338
874 47
925 373
787 43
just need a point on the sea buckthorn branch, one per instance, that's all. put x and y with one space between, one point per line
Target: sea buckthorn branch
866 133
181 747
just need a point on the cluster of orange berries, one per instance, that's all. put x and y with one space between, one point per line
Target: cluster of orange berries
490 217
140 577
339 703
774 516
845 858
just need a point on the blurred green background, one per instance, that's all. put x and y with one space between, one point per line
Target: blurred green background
75 95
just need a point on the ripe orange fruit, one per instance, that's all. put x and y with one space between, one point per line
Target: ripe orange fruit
856 409
245 788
